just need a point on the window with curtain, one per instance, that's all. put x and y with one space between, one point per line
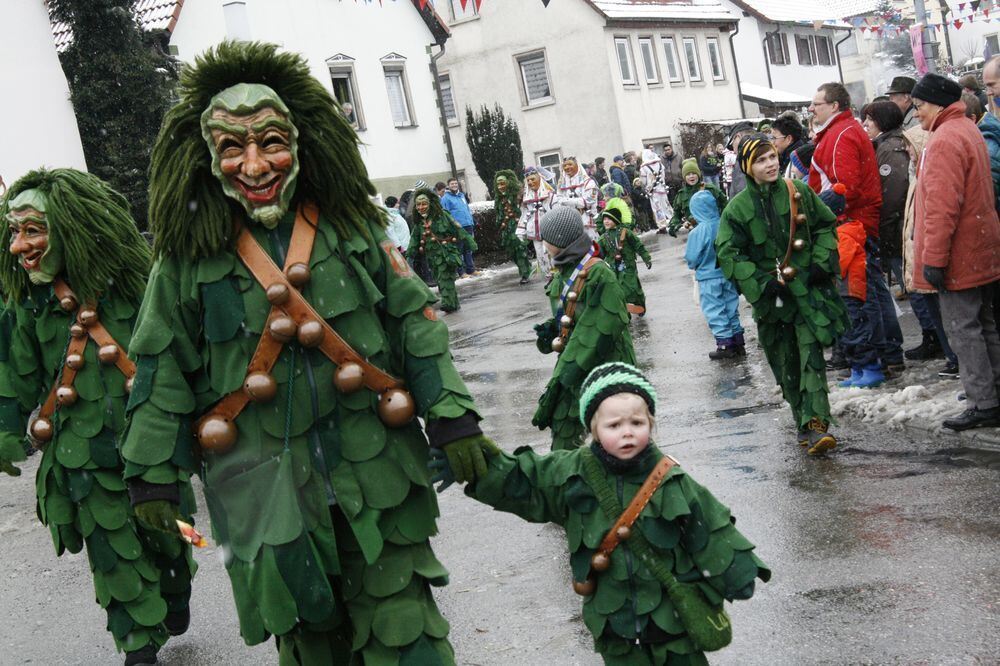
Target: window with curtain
345 91
448 98
673 63
650 67
691 55
534 78
715 59
395 87
824 51
777 48
625 60
804 50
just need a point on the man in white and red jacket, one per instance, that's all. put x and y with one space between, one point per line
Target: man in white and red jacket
845 154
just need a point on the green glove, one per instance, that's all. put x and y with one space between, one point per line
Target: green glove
11 451
467 457
441 470
7 467
158 515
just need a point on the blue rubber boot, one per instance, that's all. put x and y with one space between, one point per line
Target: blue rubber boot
857 372
871 376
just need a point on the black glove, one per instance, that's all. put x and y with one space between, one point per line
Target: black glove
546 332
835 202
935 276
817 276
672 231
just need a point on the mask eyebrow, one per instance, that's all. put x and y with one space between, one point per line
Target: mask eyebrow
279 123
30 215
223 126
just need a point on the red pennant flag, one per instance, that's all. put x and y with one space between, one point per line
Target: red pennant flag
478 3
423 4
958 24
464 2
961 6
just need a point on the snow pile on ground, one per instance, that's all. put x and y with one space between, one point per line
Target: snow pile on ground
929 404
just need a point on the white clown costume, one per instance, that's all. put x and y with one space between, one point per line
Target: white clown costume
654 179
534 204
580 191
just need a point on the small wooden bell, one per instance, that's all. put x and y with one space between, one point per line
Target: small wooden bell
74 361
88 317
396 408
282 329
800 218
68 303
586 588
42 430
217 434
277 293
798 244
66 396
260 387
128 384
108 354
572 296
77 331
298 274
566 321
797 196
789 273
558 345
624 533
311 333
600 562
349 378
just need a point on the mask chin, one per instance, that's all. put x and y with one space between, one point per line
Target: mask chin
268 216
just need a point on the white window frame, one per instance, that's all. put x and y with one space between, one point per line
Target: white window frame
341 67
624 41
646 47
456 120
996 40
556 168
458 15
784 57
393 66
830 50
529 56
693 76
671 55
715 59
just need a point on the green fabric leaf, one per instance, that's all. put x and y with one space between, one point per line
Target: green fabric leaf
382 481
148 609
398 621
123 580
223 310
72 451
110 509
305 579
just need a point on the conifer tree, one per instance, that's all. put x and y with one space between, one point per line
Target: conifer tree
494 141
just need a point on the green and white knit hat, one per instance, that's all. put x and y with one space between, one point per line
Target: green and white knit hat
609 379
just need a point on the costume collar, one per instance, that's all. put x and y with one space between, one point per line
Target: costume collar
641 465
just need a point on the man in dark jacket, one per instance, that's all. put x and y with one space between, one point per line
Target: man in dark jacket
786 135
883 122
600 173
736 133
619 176
672 168
899 94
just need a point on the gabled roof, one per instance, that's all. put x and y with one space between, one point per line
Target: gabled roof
436 24
663 10
794 11
152 15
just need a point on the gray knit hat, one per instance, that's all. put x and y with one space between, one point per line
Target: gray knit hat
561 226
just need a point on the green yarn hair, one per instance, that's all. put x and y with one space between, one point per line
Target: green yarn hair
189 214
435 211
102 248
513 186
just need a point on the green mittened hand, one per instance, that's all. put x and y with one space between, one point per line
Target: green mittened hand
441 470
7 467
158 515
708 628
467 457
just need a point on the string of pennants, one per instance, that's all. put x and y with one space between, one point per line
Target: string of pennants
976 11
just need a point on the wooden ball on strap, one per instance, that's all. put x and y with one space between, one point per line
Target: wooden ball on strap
798 244
558 345
88 317
74 361
586 588
217 434
68 303
128 383
624 533
572 296
600 562
42 430
66 396
797 196
396 408
277 293
789 272
282 329
349 377
260 387
298 274
108 354
566 321
800 218
77 331
311 333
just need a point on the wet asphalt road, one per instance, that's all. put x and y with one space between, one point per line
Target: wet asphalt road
887 552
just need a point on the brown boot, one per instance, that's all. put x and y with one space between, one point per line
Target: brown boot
820 441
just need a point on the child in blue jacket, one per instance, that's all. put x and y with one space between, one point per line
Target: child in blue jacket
719 300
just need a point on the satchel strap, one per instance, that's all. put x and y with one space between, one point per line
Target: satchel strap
631 514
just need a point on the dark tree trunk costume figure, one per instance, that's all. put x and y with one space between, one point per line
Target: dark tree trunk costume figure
74 277
438 237
315 472
507 193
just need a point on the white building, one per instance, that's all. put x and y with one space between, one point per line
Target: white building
39 128
587 78
374 58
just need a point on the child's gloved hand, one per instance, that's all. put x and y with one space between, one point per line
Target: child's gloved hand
7 467
649 265
159 515
834 200
10 453
441 474
546 332
467 457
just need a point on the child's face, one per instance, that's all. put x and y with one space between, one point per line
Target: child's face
609 223
622 425
691 178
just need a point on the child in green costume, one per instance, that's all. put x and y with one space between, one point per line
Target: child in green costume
795 304
589 326
506 198
619 247
313 466
77 265
682 534
693 184
438 237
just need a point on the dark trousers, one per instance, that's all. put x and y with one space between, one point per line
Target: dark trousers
856 343
927 308
468 266
972 330
888 336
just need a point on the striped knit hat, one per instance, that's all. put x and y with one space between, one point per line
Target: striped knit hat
750 147
610 379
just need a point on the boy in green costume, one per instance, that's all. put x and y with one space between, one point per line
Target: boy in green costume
506 201
795 302
589 325
619 247
693 183
438 237
315 477
74 277
682 534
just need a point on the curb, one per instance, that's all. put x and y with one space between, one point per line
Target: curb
987 439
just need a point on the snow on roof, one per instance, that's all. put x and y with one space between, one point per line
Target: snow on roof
152 15
663 10
794 11
772 95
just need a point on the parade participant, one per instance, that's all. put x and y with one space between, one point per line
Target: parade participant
777 243
654 177
74 276
438 237
299 386
579 191
589 325
396 228
643 208
719 301
613 199
692 184
456 203
508 212
536 200
619 247
636 524
617 175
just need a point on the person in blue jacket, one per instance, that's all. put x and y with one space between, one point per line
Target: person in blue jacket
719 300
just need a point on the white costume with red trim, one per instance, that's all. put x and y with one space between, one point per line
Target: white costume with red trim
535 204
580 192
654 180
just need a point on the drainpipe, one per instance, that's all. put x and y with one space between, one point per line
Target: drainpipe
440 99
767 56
736 69
836 48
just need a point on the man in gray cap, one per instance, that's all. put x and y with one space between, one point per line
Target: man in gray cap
899 94
736 134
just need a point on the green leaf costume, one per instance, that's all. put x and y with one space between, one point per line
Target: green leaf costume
325 512
599 335
621 257
508 212
139 576
682 202
438 236
753 236
689 531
